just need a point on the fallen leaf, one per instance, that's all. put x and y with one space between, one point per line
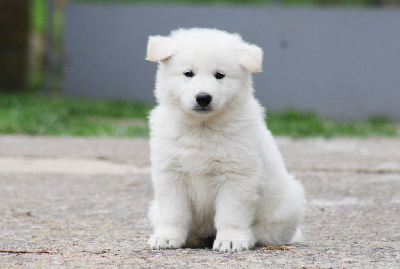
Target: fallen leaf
278 248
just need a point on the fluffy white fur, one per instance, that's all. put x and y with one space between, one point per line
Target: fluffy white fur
217 173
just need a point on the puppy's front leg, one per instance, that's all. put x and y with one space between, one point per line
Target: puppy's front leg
235 209
173 214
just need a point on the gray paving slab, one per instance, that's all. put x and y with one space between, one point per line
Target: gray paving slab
82 202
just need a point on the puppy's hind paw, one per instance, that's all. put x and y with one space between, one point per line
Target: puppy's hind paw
163 242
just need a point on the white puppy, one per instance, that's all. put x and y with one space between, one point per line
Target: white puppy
216 170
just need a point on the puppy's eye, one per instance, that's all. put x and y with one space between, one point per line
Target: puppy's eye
189 74
219 75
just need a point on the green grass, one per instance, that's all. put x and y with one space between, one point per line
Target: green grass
34 114
38 115
308 124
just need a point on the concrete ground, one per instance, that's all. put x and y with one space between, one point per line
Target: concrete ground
82 202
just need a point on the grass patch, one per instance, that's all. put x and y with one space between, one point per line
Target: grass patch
38 115
34 114
308 124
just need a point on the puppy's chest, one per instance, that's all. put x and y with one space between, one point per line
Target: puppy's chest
203 155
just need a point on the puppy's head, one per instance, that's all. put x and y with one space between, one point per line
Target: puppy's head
203 71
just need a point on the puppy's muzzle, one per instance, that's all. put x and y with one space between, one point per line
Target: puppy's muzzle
203 99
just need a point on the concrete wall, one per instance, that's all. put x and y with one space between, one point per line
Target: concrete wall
342 63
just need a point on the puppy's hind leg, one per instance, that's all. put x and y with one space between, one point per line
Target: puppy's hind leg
277 234
282 225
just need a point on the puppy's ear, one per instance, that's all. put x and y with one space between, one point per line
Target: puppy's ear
160 48
250 57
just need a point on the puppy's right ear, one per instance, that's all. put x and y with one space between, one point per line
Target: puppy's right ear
160 48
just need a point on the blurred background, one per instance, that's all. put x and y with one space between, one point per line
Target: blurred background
67 65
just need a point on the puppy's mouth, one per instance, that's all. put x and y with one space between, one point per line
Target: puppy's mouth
202 110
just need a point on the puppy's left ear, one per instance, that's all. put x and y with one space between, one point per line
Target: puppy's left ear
250 57
160 48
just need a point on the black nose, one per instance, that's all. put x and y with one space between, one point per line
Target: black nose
203 99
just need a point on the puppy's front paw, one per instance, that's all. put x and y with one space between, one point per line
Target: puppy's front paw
231 245
164 242
234 241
